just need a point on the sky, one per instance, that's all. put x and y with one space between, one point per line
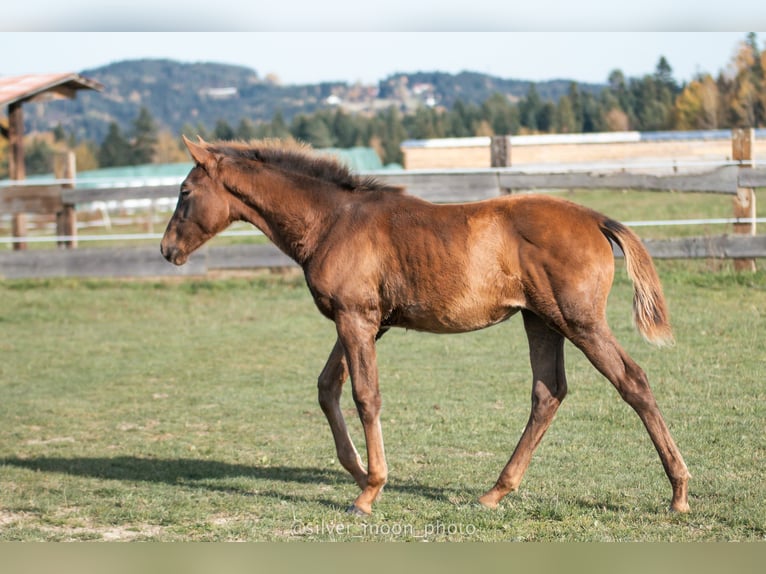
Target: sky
311 57
309 41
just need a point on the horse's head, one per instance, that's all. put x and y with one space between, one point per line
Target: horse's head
202 210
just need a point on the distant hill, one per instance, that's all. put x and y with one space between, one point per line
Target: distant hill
178 93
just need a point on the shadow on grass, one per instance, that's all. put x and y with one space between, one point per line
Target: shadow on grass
196 473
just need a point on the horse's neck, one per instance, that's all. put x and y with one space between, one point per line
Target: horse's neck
291 215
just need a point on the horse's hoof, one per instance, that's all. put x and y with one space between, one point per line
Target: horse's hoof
354 510
487 502
680 507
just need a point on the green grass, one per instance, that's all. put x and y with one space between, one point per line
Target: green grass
186 410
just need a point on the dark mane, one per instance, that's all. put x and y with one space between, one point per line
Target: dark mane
300 159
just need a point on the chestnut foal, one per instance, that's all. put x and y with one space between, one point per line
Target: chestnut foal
375 258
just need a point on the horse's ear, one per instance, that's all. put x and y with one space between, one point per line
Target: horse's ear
199 152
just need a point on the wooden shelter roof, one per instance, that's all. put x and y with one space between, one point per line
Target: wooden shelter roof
43 87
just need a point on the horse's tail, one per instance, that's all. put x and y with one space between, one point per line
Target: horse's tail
650 312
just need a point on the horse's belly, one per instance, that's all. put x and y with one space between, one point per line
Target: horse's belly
477 296
456 318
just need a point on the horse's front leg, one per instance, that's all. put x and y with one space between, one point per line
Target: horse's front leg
357 333
330 386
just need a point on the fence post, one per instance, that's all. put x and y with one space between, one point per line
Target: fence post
64 167
16 167
19 230
500 156
742 144
500 151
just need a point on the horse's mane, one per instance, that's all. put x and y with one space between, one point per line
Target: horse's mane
301 159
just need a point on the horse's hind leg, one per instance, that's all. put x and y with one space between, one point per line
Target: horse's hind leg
606 354
549 387
330 386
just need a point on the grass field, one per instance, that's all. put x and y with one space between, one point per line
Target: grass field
186 410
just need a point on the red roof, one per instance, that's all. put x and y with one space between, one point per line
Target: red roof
43 87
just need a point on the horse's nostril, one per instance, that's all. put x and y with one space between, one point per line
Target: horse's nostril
167 252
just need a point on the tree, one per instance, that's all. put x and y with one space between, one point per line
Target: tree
245 130
663 73
617 120
460 120
169 149
59 134
192 132
565 118
144 138
312 130
502 116
38 157
744 93
546 117
529 108
85 154
575 98
279 127
344 129
388 127
423 124
115 150
223 131
698 105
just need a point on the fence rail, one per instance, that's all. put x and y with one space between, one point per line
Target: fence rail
736 178
147 261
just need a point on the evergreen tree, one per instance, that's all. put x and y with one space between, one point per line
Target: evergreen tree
245 130
565 119
389 127
663 73
279 128
312 130
593 116
223 131
529 108
115 150
575 100
344 130
546 117
59 134
421 124
38 157
144 138
501 114
459 121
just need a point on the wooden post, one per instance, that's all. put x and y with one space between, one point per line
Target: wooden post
742 144
19 230
500 156
16 166
500 151
64 167
16 141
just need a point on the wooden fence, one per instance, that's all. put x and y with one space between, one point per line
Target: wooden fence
737 179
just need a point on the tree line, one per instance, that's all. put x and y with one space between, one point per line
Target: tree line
736 97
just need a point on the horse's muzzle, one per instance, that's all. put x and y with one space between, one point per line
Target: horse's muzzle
173 254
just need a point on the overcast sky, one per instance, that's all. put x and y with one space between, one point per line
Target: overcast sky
309 41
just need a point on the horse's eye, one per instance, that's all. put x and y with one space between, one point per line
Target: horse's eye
185 193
